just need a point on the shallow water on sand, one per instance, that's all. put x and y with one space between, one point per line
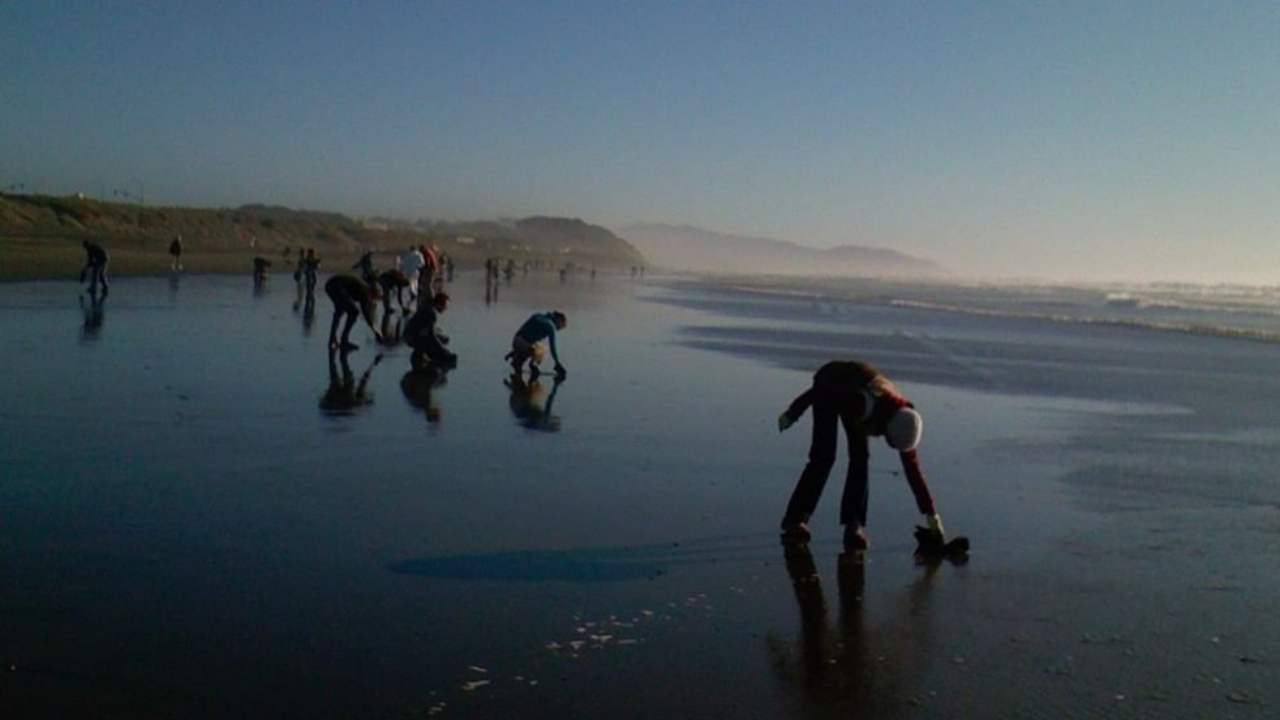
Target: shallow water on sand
199 522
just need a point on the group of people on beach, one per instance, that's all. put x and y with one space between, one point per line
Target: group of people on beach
847 393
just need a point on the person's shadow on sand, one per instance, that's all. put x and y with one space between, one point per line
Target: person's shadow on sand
853 669
531 404
344 395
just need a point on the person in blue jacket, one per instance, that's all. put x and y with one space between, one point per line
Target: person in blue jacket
539 327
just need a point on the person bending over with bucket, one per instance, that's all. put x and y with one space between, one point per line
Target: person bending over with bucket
539 327
351 298
856 395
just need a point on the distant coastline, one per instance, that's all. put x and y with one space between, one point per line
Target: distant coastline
40 238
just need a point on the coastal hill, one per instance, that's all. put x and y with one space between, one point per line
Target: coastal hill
40 237
684 247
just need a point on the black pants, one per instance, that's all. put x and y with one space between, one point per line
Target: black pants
828 412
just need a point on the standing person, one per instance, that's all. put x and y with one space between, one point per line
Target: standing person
411 264
539 327
430 267
95 265
175 249
261 266
351 298
310 267
858 396
423 334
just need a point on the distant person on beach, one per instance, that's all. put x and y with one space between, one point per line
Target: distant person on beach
351 298
538 328
95 266
393 280
310 268
856 395
411 264
175 249
260 267
423 334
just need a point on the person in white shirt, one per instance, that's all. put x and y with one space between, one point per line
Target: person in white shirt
412 267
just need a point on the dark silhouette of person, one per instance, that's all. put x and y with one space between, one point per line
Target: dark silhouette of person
175 249
261 266
95 267
858 396
531 404
393 280
311 268
422 333
344 395
351 299
419 386
538 328
365 266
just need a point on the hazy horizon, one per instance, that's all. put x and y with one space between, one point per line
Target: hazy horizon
1083 142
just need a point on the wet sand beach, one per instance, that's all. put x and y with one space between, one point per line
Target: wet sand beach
201 517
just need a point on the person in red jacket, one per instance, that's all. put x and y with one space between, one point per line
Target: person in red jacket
858 396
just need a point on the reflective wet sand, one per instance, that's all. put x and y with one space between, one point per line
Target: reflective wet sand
205 517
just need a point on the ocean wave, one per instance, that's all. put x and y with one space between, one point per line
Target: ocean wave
1189 328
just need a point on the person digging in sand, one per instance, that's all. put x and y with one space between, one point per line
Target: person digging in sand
867 403
351 298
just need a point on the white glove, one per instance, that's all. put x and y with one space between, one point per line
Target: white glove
784 422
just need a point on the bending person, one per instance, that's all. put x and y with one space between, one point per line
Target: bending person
351 298
539 327
95 266
856 395
423 334
365 266
389 280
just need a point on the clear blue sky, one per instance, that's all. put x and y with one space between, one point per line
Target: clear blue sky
1076 140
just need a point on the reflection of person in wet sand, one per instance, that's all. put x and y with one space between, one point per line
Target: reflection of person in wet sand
310 269
344 394
95 267
308 313
854 670
94 316
419 385
423 334
856 395
531 404
391 330
538 328
351 298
